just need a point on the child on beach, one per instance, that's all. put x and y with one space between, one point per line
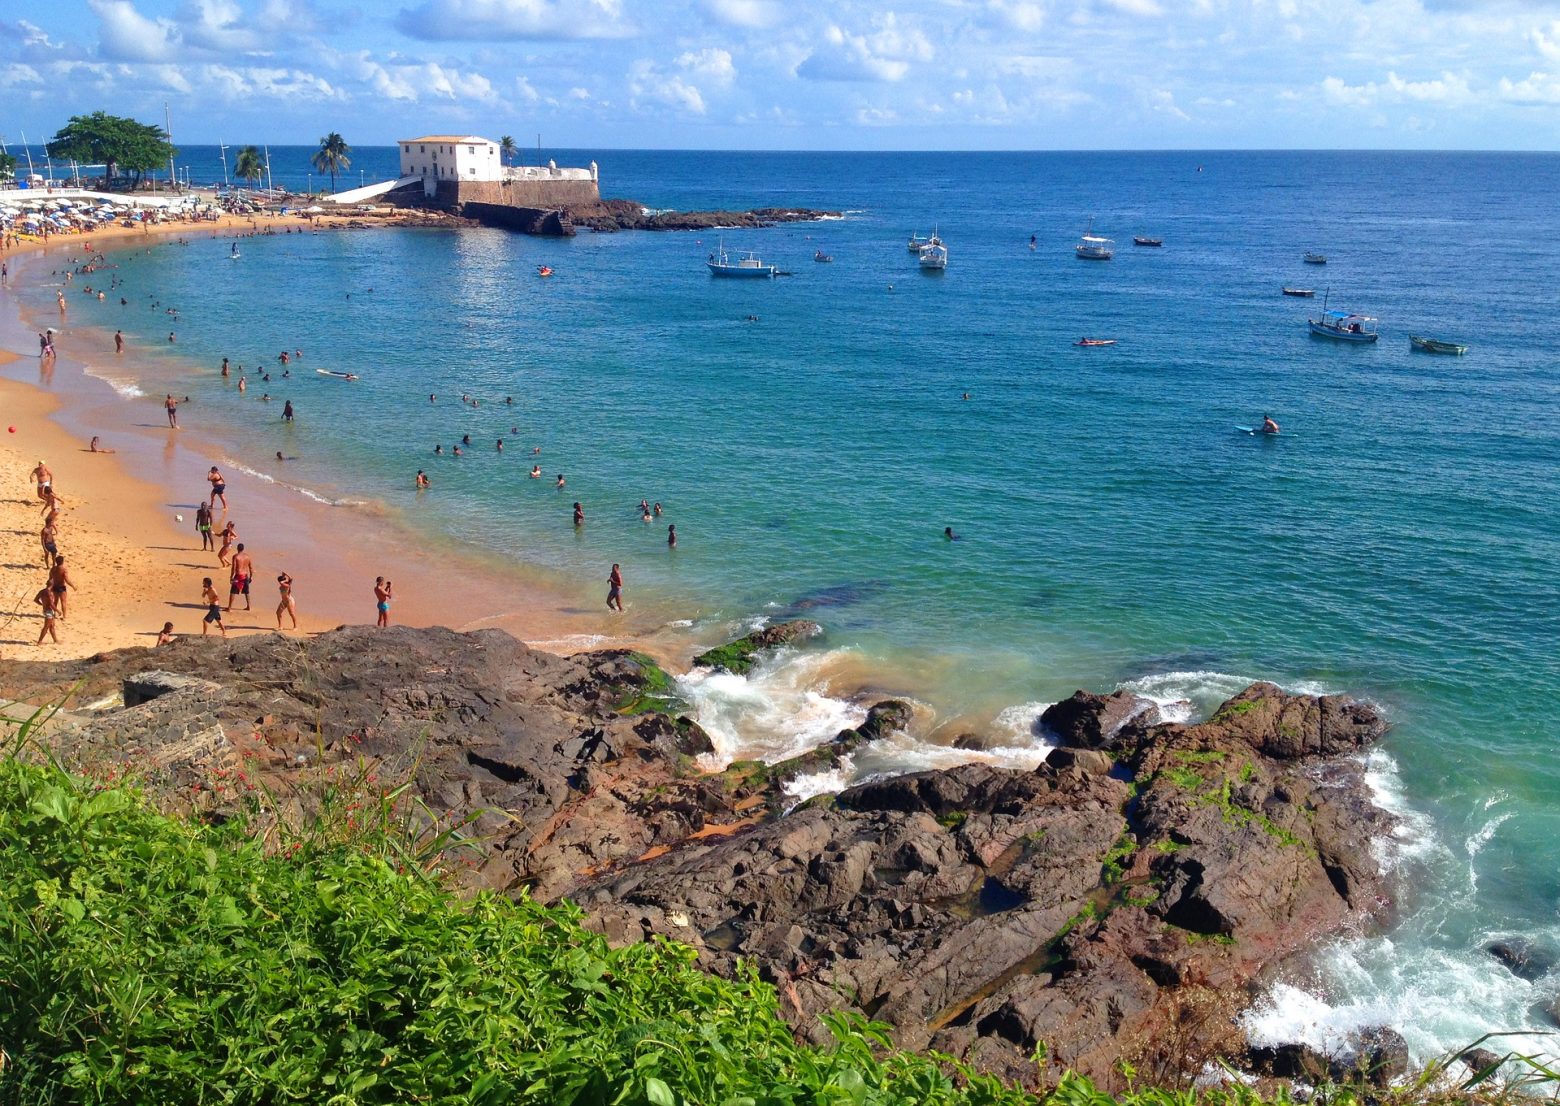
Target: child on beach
383 593
165 635
213 602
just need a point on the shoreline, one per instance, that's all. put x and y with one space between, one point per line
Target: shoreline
333 552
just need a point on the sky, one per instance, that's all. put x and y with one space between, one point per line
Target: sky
800 74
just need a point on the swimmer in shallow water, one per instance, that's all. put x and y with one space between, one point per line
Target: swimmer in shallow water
949 534
536 472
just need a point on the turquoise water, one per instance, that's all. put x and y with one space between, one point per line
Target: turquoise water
1400 539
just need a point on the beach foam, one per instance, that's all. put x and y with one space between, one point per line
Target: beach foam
126 388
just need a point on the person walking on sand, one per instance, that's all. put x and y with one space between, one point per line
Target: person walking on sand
208 596
49 538
284 584
48 601
59 581
172 406
43 478
203 527
218 488
615 589
383 593
241 573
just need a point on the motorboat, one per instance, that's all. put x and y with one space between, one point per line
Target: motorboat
1308 293
934 255
1093 247
1314 258
918 242
1345 327
723 265
1095 342
544 270
822 258
1148 241
1435 345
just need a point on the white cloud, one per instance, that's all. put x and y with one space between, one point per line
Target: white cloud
711 65
649 83
124 34
219 25
580 94
1534 89
413 82
1020 15
1163 100
509 20
1449 88
751 14
883 54
1546 40
1135 7
16 74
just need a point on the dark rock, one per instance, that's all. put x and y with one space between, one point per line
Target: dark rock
1289 727
1091 761
143 687
1380 1056
1480 1059
1522 958
614 215
739 656
1289 1061
1089 721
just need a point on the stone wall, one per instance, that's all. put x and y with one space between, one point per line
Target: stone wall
543 194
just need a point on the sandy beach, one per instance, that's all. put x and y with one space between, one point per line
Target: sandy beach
135 566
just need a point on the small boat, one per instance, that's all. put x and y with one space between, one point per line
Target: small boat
1435 345
1095 342
918 242
338 375
1093 247
1148 241
1314 259
1308 293
1345 327
544 270
822 258
934 255
751 267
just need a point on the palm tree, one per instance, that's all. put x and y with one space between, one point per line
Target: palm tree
332 156
249 167
507 148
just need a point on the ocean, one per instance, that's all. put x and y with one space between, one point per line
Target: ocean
809 438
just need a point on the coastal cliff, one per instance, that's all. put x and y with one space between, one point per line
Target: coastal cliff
1121 903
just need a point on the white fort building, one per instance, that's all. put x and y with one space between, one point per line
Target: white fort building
470 158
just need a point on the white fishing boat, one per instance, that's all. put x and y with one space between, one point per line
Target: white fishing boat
1093 247
723 265
918 242
934 255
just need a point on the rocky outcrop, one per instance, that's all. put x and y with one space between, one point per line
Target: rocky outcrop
1118 903
1097 909
739 656
613 215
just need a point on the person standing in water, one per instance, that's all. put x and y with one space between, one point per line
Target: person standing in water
287 411
671 536
579 515
119 341
615 589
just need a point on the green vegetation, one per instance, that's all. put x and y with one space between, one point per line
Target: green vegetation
112 141
7 166
507 148
953 819
655 690
1232 710
249 165
1207 756
1114 865
1184 778
1236 815
736 657
332 156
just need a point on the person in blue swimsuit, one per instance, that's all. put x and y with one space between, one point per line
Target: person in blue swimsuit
383 593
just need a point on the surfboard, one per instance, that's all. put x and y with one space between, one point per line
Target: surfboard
1238 429
337 375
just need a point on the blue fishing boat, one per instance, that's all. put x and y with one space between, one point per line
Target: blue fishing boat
1345 327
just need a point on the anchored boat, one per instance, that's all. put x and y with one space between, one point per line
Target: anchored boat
722 265
1093 247
1435 345
1345 327
1314 259
1308 293
934 255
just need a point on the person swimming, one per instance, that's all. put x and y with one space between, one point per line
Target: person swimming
949 534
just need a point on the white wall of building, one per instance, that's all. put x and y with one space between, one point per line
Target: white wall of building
451 157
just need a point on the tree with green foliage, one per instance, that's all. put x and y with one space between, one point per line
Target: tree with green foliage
248 166
507 148
332 156
114 141
7 166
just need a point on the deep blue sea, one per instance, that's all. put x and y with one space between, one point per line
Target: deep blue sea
1400 539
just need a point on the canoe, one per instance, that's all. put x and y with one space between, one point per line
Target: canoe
1095 342
1435 345
1148 241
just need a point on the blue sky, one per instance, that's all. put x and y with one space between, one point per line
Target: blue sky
800 74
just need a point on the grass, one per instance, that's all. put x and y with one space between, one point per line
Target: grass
152 959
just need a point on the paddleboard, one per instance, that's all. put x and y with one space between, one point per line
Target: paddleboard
337 375
1245 430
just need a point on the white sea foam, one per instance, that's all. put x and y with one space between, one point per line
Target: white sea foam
575 642
681 623
773 712
228 462
1185 696
126 388
835 780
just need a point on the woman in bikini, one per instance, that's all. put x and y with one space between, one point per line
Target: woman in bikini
284 584
229 535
